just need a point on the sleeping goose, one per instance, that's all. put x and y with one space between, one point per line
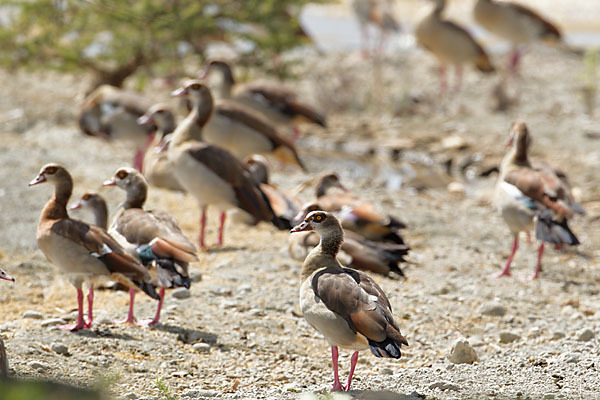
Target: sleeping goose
211 174
153 236
5 276
111 113
451 44
84 252
516 23
527 197
240 130
278 104
344 305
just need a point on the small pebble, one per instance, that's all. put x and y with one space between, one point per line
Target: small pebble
492 309
558 335
37 365
462 353
201 347
52 322
181 293
33 314
443 386
508 337
131 396
387 371
585 335
59 348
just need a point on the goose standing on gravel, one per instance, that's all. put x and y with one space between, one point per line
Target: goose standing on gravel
111 113
527 197
276 103
84 252
153 236
516 23
211 174
5 276
343 304
451 44
378 13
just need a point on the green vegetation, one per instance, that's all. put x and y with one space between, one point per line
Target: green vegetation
164 390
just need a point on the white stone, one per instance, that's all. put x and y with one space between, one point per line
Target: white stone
462 353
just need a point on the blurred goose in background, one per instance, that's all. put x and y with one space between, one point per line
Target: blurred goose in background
97 205
451 44
111 113
84 252
5 276
378 13
156 165
344 305
154 236
515 23
527 197
211 174
278 104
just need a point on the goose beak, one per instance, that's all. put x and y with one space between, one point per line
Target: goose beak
302 227
38 179
75 206
6 277
110 182
181 92
144 120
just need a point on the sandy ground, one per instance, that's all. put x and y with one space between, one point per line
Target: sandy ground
243 300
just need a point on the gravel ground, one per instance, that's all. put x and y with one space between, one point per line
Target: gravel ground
240 334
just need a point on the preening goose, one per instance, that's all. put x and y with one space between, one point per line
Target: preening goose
378 13
344 305
82 251
280 105
451 44
515 23
527 197
154 236
5 276
211 174
111 113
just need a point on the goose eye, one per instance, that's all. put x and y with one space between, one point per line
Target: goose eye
86 196
195 86
50 170
121 174
319 218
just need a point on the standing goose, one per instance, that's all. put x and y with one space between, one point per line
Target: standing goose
451 44
378 13
515 23
154 237
96 203
528 197
111 113
240 130
344 305
278 104
211 174
83 252
5 276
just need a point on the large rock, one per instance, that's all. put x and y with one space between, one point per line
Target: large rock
462 353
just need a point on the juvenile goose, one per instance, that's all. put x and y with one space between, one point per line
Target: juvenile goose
85 253
278 104
95 203
211 174
240 130
111 113
4 275
527 197
344 305
515 23
451 44
153 236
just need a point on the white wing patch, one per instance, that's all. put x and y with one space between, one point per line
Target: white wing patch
516 194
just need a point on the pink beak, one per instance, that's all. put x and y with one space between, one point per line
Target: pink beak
302 227
38 179
181 92
110 182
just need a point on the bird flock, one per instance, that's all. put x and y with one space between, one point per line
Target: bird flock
219 155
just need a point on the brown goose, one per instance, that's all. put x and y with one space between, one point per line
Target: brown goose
241 130
278 104
154 237
211 174
96 203
4 275
111 113
357 215
83 252
527 197
450 44
156 166
516 23
378 13
344 305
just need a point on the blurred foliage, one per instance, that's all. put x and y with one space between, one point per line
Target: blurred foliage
37 390
115 38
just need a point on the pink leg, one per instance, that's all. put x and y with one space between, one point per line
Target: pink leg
459 72
364 34
138 160
202 225
157 315
337 386
80 323
515 56
506 270
90 299
130 318
353 362
538 267
442 75
296 134
221 228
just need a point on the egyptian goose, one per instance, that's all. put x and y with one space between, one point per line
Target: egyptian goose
5 276
154 236
357 215
527 197
96 203
378 13
112 113
451 44
84 252
156 166
240 130
211 174
344 305
278 104
516 23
